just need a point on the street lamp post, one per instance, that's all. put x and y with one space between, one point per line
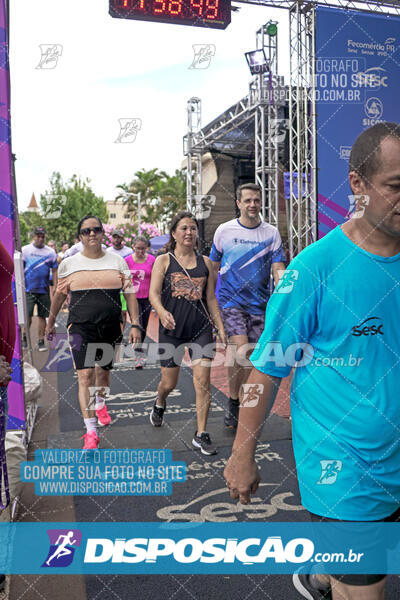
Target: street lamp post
139 211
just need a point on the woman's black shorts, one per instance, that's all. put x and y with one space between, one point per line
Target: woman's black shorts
93 344
172 349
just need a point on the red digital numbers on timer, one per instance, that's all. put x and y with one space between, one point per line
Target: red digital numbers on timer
172 7
211 9
207 9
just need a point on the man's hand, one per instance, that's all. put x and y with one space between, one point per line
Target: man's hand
167 320
5 371
134 336
242 477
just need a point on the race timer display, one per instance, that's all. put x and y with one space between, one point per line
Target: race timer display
199 13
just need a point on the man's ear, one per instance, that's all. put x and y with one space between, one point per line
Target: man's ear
356 183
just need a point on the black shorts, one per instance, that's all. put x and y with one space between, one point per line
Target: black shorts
173 348
357 579
41 300
93 344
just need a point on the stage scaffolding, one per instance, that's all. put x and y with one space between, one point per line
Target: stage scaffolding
258 110
230 132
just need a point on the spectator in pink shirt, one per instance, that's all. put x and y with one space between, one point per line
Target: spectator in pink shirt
141 264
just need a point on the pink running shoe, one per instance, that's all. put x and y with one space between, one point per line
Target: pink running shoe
139 363
91 441
103 417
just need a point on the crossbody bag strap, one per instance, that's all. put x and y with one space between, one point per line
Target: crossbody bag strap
192 282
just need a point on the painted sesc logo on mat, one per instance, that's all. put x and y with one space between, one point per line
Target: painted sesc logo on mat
63 543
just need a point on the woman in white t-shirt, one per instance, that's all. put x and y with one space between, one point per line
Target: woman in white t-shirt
94 279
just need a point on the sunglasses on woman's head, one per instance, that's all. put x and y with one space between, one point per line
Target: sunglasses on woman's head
88 230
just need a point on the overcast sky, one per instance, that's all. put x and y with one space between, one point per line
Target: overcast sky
66 118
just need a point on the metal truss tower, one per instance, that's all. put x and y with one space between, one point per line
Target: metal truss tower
266 121
301 208
193 153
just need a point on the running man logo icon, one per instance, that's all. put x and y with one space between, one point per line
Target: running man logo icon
357 204
251 394
50 54
128 129
203 54
287 281
63 543
203 205
60 358
329 471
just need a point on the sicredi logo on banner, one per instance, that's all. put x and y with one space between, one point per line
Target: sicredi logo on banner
191 550
63 543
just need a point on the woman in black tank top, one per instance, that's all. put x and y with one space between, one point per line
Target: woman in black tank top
182 291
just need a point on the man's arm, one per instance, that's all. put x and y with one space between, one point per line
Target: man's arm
212 303
277 271
241 472
215 269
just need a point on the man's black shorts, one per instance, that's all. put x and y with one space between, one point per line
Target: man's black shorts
83 338
357 579
42 301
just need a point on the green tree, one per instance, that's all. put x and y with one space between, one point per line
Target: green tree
64 204
172 192
146 183
162 195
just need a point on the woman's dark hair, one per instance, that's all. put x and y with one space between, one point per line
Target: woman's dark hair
78 231
184 214
141 238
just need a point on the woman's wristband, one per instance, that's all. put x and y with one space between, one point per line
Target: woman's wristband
137 326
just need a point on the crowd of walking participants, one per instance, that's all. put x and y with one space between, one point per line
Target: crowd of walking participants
101 286
333 315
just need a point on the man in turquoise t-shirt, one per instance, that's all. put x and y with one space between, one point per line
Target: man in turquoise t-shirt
334 315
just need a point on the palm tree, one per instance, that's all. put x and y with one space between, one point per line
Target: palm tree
146 183
172 192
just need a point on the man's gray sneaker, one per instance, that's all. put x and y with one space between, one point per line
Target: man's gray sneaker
304 585
203 442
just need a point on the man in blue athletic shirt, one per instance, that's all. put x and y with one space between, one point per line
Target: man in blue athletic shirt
336 311
39 261
244 251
